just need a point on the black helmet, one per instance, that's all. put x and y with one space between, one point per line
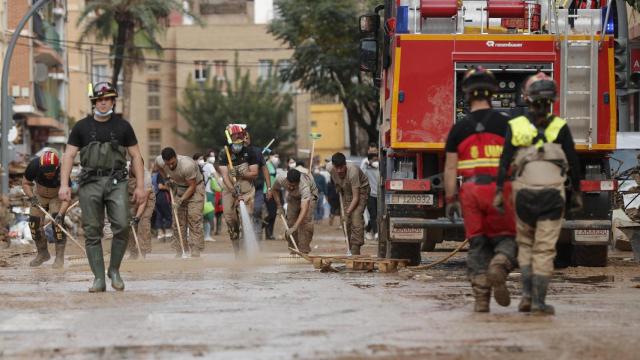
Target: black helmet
103 89
479 82
540 87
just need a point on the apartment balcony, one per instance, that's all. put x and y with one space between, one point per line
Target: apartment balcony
48 48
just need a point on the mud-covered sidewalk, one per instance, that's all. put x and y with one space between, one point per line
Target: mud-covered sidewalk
213 307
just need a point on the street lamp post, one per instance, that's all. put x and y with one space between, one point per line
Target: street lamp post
7 102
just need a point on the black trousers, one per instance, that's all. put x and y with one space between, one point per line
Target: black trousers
372 207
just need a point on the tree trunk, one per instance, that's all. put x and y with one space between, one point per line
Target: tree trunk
121 40
352 115
126 91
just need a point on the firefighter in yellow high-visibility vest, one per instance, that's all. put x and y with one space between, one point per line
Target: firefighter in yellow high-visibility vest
540 149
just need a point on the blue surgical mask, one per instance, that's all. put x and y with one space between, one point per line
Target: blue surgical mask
96 112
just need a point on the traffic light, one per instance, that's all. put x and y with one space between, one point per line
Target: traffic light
621 63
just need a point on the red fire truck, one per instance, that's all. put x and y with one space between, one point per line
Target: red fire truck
418 54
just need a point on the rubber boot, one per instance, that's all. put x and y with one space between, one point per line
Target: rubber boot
538 294
525 301
96 262
499 268
481 292
355 249
118 249
43 252
58 263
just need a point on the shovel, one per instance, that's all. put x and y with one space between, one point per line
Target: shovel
344 225
175 216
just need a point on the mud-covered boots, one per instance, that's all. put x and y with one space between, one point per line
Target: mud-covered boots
499 268
355 249
58 263
538 295
525 301
118 249
43 251
481 293
96 262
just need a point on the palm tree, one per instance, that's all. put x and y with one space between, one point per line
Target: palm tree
131 26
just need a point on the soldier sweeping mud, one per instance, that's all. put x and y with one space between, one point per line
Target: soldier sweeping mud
45 172
187 183
353 186
473 151
302 196
103 140
244 170
544 152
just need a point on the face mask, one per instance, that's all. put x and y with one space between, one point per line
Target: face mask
275 162
292 164
375 164
96 112
200 162
236 148
211 160
316 171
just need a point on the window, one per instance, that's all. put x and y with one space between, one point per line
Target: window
153 68
264 70
100 73
153 99
153 114
153 86
201 72
154 135
283 65
154 150
220 67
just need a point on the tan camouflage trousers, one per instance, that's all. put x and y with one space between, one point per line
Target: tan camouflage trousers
231 211
190 217
355 222
143 230
304 234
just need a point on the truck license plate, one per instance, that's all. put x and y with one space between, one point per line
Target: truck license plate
411 199
406 233
591 236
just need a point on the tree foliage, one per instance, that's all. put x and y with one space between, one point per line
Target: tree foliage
210 106
325 38
130 26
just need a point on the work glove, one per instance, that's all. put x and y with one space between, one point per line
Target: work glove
236 190
290 231
59 219
498 201
34 201
233 172
171 185
576 203
453 208
135 221
280 211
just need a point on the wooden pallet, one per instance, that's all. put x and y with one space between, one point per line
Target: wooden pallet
359 262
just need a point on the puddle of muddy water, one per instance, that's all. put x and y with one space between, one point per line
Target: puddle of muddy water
589 280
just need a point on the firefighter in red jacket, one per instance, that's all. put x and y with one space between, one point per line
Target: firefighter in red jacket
473 150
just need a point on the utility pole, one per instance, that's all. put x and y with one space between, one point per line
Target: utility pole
7 101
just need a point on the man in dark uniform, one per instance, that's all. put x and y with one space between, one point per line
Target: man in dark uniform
237 180
45 172
473 151
103 140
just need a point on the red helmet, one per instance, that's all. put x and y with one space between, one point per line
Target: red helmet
49 161
237 132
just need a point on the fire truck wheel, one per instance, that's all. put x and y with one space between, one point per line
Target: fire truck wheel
433 236
410 251
428 245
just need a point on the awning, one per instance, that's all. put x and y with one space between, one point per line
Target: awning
41 121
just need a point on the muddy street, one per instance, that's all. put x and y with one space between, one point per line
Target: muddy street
282 308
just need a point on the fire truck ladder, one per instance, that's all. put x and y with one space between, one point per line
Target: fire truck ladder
579 57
